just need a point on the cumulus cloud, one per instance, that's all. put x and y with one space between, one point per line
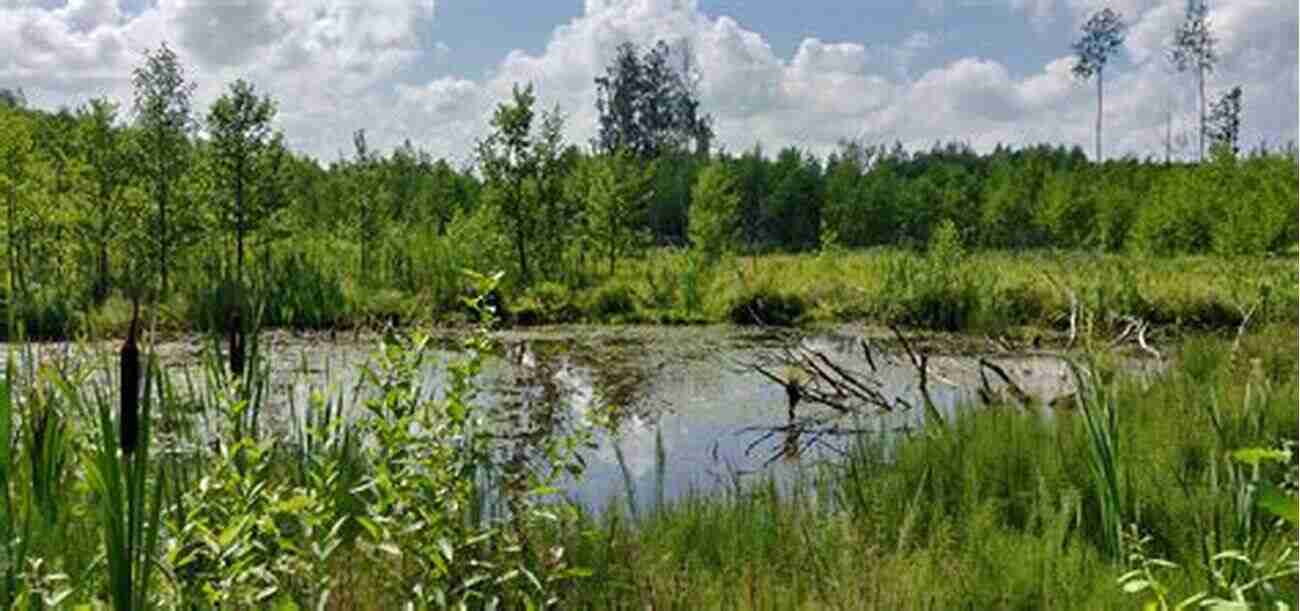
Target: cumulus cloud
340 65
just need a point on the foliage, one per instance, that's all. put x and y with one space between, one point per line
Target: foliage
714 212
616 191
1225 120
162 113
647 106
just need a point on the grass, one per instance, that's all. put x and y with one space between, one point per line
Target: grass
313 286
418 500
1001 510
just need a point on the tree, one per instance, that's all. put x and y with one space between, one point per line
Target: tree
17 152
12 98
244 145
107 155
524 173
1225 120
363 180
648 106
162 112
1103 34
715 211
615 190
1193 49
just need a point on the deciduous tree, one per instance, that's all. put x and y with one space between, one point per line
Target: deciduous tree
162 112
245 146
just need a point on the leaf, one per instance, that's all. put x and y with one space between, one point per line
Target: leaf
444 546
1255 456
1279 503
1136 585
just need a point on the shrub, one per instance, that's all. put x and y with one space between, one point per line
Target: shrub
938 291
765 306
611 301
546 302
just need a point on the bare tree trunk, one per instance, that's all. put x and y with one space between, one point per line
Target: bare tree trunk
1169 133
1200 83
1099 73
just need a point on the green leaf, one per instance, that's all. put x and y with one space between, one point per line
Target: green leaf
1136 585
1255 456
1279 503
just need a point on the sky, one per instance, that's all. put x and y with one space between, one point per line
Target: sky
808 73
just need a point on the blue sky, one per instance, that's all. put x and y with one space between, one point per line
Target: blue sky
806 73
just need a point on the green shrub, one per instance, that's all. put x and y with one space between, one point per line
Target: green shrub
766 306
546 302
612 301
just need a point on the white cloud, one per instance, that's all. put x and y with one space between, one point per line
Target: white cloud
337 65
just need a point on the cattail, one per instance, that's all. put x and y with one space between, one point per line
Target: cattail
129 419
235 339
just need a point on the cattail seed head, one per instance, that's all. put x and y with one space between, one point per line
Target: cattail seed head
235 338
129 418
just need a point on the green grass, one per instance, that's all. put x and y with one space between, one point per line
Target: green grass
1001 510
998 508
313 284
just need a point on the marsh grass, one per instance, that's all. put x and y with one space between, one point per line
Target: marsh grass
313 283
1001 509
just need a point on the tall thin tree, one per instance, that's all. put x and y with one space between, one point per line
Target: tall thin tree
240 125
106 156
162 112
1193 49
1103 34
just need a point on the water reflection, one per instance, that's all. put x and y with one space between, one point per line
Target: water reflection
680 410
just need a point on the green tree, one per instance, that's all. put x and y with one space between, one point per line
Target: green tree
245 148
1103 35
1225 120
365 187
162 113
108 157
17 156
715 211
615 190
524 173
648 106
1193 49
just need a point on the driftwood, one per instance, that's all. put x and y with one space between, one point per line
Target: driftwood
810 376
986 391
1137 330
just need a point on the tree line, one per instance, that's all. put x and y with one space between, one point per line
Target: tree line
103 198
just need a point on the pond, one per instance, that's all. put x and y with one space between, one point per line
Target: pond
687 408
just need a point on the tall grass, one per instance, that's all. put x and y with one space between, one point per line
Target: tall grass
313 283
1001 509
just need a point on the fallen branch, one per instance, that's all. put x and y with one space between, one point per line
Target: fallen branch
1018 393
921 362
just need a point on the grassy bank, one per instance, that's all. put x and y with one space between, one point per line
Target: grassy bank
1003 510
942 288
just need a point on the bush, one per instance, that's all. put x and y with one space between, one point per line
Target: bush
612 301
765 306
546 302
937 291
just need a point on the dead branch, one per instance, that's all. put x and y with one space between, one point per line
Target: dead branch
921 362
866 353
1016 392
